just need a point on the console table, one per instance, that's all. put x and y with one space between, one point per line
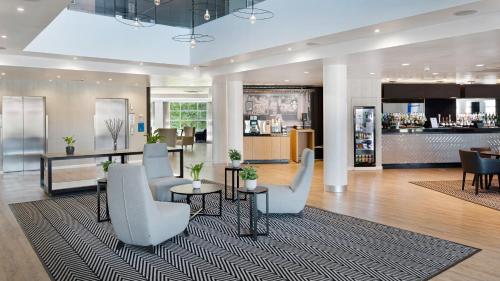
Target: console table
47 159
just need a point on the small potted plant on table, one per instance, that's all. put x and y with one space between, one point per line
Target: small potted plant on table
249 175
105 167
154 137
70 141
235 157
195 173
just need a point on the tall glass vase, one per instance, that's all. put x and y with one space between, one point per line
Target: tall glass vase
115 146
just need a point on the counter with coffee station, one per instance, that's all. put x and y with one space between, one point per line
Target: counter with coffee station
274 144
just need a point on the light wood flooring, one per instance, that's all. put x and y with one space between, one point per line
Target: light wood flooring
381 196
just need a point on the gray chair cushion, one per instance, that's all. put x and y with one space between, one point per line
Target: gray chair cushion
290 199
160 187
137 218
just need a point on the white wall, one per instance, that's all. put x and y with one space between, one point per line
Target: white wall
364 92
70 107
218 92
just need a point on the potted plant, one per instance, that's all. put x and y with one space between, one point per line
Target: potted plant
235 157
195 174
70 141
249 175
154 137
105 167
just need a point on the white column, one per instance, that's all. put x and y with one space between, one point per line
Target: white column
235 115
158 118
219 121
335 127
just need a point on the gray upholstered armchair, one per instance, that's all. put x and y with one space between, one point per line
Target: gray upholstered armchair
159 172
137 218
290 199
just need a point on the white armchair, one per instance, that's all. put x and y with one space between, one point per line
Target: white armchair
159 172
290 199
137 218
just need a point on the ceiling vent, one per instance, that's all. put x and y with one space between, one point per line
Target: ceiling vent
465 13
313 44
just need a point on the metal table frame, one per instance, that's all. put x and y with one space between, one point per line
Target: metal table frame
234 188
47 159
202 210
253 231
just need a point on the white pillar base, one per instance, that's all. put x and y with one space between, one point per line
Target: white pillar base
335 188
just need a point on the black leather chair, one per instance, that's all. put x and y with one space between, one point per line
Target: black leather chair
473 163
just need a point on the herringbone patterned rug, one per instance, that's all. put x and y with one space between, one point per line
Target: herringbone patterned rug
488 198
321 246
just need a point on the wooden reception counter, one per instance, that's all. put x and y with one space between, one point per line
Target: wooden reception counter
266 149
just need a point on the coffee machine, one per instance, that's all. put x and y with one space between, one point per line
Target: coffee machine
252 126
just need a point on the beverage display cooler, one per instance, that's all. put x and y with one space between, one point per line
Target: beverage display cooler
364 136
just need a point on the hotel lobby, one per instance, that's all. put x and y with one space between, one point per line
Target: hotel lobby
249 140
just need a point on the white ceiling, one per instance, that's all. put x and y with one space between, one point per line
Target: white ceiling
451 60
449 45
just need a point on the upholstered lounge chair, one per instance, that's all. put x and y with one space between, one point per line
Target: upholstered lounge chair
137 218
290 199
159 172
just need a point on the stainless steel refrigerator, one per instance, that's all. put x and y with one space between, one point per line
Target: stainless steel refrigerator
364 136
110 109
24 132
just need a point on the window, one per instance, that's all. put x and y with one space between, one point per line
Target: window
188 114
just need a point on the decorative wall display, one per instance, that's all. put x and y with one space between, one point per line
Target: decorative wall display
287 105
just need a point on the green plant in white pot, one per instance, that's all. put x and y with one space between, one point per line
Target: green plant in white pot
249 175
235 157
195 174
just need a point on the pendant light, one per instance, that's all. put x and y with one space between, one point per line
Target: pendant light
207 14
253 14
193 38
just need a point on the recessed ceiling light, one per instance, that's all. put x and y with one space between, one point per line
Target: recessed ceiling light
405 64
75 58
427 68
50 80
136 84
372 73
306 72
435 73
231 60
141 63
20 9
289 49
98 82
58 76
376 30
110 79
3 73
4 36
479 65
286 80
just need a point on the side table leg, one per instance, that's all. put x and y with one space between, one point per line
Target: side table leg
98 202
203 203
232 185
225 184
220 203
254 215
267 213
238 214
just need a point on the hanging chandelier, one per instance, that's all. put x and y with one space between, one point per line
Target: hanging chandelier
253 14
137 13
194 38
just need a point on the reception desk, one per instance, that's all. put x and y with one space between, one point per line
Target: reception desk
266 149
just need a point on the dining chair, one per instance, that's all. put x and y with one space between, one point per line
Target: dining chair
489 178
188 137
473 163
169 136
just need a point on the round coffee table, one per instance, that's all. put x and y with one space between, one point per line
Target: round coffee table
189 191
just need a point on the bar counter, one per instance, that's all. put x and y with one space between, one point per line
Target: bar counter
419 147
266 148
